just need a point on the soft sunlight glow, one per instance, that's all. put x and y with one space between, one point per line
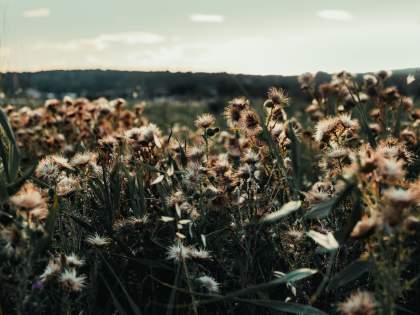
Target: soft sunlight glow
104 41
37 13
207 18
337 15
233 36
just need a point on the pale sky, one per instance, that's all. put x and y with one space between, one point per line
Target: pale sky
237 36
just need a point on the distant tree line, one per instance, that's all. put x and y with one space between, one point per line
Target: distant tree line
149 85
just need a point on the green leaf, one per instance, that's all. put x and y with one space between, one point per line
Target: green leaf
141 189
183 156
82 223
323 209
292 308
14 154
4 195
14 162
351 272
290 277
52 217
296 154
296 275
4 122
327 241
284 211
4 159
12 188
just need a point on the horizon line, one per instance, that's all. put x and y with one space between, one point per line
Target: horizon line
182 71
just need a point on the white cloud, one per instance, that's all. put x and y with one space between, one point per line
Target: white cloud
207 18
337 15
104 41
37 13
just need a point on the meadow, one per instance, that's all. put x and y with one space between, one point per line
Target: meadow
111 207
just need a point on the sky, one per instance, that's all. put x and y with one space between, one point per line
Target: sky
237 36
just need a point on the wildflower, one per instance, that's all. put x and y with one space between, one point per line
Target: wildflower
384 74
357 304
28 197
306 80
151 133
47 169
108 143
400 198
410 79
250 157
320 191
277 96
209 283
178 252
364 226
370 80
176 198
73 261
324 127
195 154
407 103
81 159
408 136
133 134
391 169
295 234
70 281
15 239
278 115
199 253
66 185
52 269
205 121
234 110
61 161
98 241
249 123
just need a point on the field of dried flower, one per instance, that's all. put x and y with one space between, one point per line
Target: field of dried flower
102 212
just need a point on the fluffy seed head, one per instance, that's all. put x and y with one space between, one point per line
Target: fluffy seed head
70 281
360 303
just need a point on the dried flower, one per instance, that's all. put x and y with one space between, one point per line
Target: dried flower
205 121
359 303
98 241
209 283
70 281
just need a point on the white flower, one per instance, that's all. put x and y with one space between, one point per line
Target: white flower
71 281
410 79
178 252
53 268
83 158
73 261
97 240
209 283
199 253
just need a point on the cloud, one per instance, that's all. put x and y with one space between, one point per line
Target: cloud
337 15
104 41
37 13
207 18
